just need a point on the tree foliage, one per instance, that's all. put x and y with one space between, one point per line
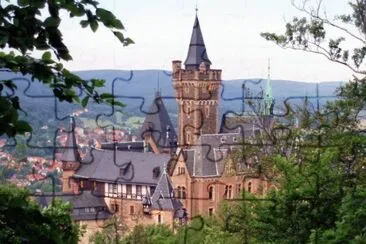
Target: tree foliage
22 220
34 25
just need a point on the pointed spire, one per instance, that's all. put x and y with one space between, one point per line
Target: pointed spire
268 97
197 52
163 196
71 153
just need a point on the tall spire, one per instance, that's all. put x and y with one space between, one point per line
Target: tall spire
268 97
197 50
71 153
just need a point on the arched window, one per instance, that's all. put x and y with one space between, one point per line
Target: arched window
249 186
228 192
211 193
189 137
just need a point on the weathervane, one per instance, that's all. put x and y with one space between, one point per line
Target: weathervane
196 8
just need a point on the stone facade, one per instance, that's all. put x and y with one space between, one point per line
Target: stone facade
197 95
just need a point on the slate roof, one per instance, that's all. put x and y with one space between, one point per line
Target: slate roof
133 146
123 166
163 196
158 123
70 153
197 52
80 202
206 158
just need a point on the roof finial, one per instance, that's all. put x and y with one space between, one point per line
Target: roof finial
196 9
158 86
269 68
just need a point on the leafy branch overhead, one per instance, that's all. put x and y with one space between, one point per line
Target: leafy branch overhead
24 29
309 34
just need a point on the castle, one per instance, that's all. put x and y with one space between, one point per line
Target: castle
166 177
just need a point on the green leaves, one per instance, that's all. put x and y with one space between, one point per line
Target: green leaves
52 22
24 29
108 19
122 39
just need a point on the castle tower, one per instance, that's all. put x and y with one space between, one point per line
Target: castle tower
197 91
268 97
70 160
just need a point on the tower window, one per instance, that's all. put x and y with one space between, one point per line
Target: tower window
207 111
210 211
250 187
211 193
132 210
189 110
189 137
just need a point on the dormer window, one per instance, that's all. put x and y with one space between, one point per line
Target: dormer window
156 172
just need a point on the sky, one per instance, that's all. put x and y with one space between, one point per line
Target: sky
161 30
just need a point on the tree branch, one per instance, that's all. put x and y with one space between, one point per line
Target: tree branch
325 20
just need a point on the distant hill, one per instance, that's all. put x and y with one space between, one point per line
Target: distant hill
137 89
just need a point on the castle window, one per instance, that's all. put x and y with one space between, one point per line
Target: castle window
81 184
211 193
152 189
189 111
114 188
115 208
132 210
250 187
183 193
159 218
189 137
181 170
186 90
238 189
129 189
228 191
210 211
138 190
207 111
95 185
